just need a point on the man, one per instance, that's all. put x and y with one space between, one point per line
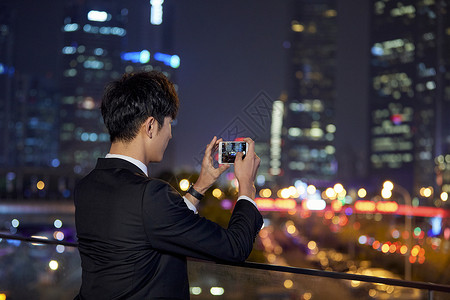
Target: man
134 232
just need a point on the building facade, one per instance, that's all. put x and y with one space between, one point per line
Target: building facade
409 97
308 126
94 35
96 51
6 82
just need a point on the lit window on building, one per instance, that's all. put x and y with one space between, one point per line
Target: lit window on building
98 16
294 132
70 73
99 51
93 64
401 10
379 7
297 27
69 50
71 27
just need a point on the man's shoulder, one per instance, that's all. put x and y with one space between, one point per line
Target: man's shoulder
156 184
119 175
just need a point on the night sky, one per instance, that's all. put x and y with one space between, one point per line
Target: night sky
230 51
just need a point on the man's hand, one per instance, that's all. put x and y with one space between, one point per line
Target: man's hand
245 170
209 174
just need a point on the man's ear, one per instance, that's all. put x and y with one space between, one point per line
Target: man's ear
149 126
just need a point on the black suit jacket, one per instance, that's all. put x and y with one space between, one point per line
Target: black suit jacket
134 234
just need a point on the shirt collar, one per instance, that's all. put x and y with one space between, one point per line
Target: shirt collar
134 161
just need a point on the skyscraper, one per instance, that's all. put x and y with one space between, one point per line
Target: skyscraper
36 122
409 101
309 129
96 41
29 120
6 81
94 35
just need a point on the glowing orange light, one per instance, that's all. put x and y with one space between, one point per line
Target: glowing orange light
343 221
403 249
415 251
422 234
288 283
412 259
422 252
392 248
405 235
263 234
387 206
329 214
427 192
285 204
291 229
305 214
336 205
421 259
376 245
385 248
264 204
335 220
277 204
40 185
362 193
312 245
364 205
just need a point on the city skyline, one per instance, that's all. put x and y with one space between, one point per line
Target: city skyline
202 55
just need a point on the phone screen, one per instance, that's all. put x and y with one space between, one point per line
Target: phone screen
228 151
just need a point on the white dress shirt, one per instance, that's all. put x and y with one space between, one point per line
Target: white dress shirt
144 169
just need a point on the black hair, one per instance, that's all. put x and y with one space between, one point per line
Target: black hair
129 101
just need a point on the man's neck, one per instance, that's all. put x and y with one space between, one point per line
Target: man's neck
131 149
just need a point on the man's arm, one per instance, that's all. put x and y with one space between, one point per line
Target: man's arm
171 227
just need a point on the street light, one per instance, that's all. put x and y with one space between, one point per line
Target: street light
389 186
338 188
362 193
386 194
184 184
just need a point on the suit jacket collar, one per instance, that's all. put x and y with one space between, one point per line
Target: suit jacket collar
118 163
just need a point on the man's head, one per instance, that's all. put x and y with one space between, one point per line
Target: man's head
130 101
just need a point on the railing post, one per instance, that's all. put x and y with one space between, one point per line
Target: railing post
430 294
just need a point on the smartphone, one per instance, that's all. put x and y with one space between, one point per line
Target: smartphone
228 151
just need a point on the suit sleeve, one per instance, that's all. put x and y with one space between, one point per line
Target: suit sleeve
171 226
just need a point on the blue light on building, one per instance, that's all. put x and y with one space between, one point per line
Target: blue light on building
142 57
4 69
169 60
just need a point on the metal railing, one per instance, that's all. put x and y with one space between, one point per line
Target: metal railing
428 290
